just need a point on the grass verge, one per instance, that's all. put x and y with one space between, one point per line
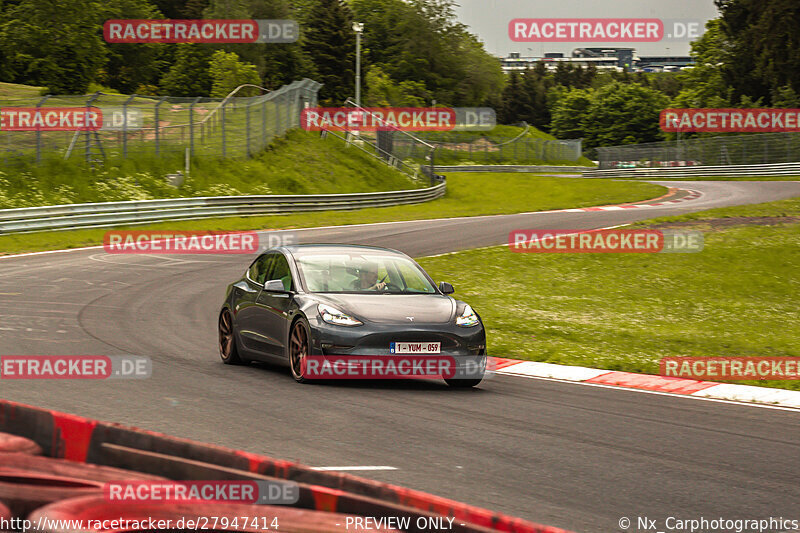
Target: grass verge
468 194
738 297
298 163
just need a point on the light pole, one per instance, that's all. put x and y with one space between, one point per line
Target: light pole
358 27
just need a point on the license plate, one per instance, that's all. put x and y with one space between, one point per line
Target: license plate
415 347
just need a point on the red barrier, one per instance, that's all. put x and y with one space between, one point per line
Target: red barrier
15 444
29 481
81 439
210 516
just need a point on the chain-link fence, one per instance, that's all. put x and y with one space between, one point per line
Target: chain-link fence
135 125
388 144
488 150
750 149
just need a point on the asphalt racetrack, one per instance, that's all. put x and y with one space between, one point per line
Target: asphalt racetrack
564 454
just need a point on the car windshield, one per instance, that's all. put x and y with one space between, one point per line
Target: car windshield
362 273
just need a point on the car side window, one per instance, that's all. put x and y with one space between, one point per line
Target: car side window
259 269
280 270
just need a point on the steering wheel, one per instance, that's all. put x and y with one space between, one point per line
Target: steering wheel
391 286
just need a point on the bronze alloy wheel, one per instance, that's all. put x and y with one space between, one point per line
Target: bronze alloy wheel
298 350
227 343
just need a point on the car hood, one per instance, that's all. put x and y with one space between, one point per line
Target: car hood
394 308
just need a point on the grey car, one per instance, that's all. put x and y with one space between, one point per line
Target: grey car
300 302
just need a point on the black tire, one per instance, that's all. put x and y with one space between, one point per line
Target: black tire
463 383
298 349
228 351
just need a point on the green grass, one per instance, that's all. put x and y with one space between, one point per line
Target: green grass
469 194
299 163
16 90
738 297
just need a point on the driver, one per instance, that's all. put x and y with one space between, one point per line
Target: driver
368 278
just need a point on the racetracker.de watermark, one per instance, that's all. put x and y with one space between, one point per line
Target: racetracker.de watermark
731 368
194 242
730 120
398 118
393 367
75 367
69 118
603 30
200 31
259 492
634 241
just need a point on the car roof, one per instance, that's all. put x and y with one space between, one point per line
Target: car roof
324 247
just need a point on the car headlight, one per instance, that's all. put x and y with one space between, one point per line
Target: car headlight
331 315
467 318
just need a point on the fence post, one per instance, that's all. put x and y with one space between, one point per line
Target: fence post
39 133
125 126
222 119
88 135
191 126
158 122
247 129
264 123
277 116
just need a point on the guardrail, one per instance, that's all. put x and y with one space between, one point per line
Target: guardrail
508 168
97 215
773 169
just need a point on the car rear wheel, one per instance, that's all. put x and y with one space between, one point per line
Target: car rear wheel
228 351
299 349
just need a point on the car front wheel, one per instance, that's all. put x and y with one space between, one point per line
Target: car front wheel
299 342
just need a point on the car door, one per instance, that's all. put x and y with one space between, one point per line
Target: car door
247 319
272 307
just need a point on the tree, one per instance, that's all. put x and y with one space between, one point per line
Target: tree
277 63
570 114
54 43
704 84
515 103
762 46
189 74
330 43
128 66
181 9
422 41
624 114
227 73
536 83
382 90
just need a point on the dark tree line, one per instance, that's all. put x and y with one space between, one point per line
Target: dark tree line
412 49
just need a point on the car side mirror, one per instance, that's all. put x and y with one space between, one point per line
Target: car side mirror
446 288
274 285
